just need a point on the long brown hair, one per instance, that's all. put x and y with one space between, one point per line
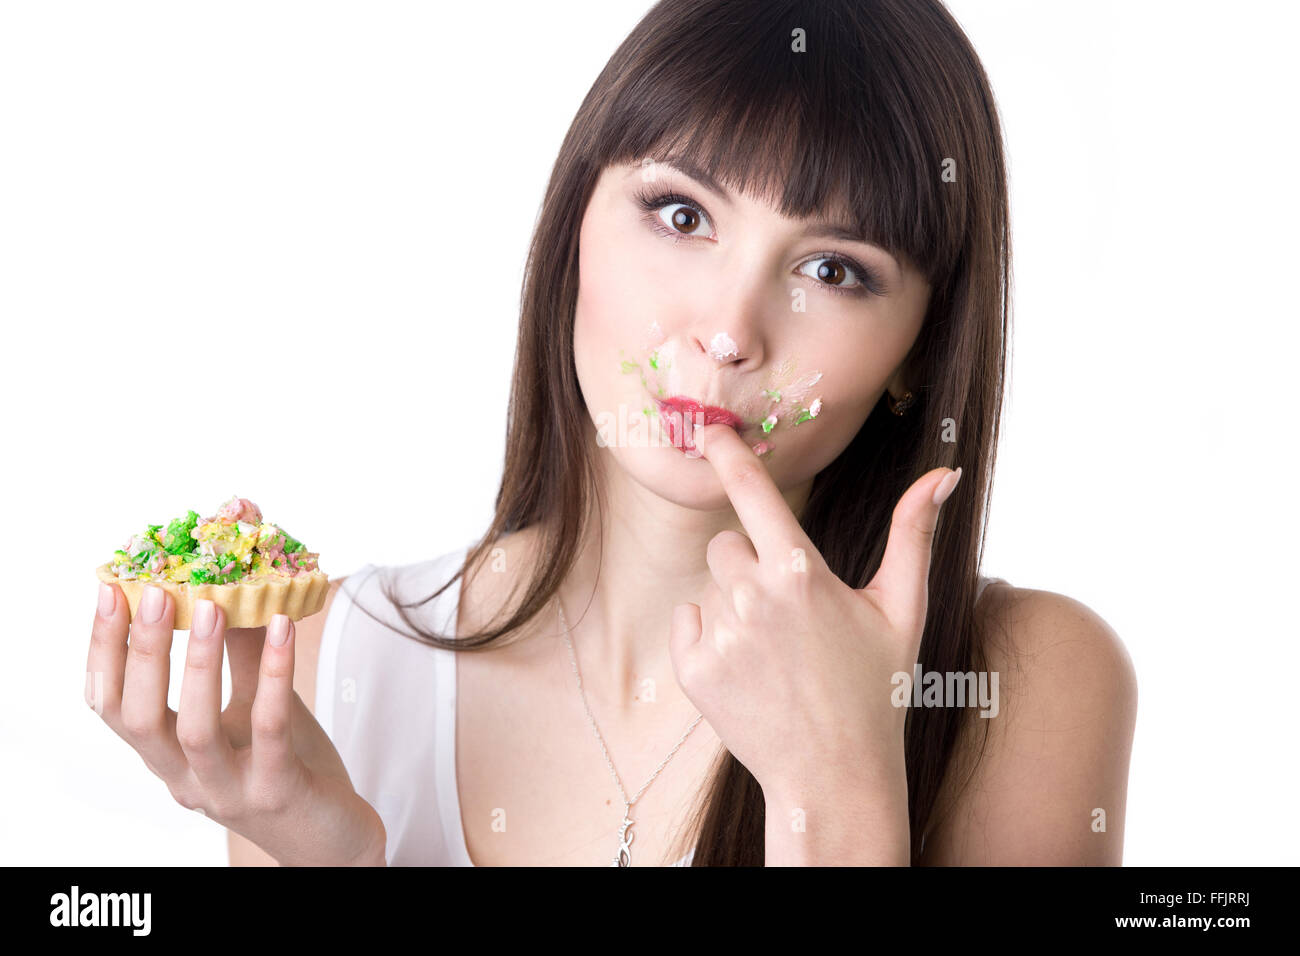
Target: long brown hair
887 112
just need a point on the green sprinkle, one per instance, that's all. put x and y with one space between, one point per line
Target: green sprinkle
629 366
180 538
646 411
769 423
804 416
773 395
654 359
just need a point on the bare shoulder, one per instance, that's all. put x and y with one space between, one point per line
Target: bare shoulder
307 637
1044 779
1052 644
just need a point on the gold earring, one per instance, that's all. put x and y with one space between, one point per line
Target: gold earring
901 406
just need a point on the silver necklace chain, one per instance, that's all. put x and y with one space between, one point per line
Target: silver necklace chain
625 833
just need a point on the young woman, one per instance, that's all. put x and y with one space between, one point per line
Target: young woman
779 230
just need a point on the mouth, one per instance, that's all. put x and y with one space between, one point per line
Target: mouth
680 416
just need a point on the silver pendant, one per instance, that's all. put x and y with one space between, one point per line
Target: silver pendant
625 836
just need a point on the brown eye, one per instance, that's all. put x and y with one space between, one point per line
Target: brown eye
833 272
682 218
685 220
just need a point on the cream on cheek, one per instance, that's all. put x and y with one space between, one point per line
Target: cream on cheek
789 398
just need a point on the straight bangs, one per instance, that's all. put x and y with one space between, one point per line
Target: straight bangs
734 97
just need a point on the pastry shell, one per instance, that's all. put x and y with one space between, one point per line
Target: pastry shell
247 603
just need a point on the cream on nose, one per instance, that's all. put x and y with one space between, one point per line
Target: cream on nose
722 347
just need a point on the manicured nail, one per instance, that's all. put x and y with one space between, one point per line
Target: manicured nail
205 618
946 487
152 604
279 630
107 601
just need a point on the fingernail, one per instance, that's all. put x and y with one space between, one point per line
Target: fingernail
152 604
279 630
107 601
205 618
946 487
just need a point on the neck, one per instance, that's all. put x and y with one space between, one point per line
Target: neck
638 559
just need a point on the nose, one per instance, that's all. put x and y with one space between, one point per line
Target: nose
727 329
725 346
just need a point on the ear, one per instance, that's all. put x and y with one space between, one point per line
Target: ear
897 384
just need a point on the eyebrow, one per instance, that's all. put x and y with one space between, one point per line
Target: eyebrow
845 232
686 166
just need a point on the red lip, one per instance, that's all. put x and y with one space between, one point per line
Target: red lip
690 408
680 416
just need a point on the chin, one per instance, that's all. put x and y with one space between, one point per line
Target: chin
667 473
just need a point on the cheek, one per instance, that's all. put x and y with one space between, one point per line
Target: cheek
611 293
611 319
595 317
826 391
854 377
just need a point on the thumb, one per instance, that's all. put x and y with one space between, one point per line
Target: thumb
902 582
683 635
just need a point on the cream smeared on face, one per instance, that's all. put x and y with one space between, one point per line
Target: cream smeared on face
787 399
722 347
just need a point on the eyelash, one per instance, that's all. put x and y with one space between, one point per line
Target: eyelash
652 202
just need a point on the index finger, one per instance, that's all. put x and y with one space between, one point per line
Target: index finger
762 509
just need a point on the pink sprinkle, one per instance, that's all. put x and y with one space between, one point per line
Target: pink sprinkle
241 509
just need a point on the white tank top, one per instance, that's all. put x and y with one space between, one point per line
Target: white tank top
388 703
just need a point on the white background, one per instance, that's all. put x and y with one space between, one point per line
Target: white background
274 250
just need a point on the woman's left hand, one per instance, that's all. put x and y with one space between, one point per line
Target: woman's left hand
792 667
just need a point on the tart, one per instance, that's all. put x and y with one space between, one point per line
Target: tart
251 568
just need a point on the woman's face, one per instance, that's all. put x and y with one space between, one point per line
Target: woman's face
698 304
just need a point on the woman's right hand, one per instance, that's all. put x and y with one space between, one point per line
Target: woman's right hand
263 767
